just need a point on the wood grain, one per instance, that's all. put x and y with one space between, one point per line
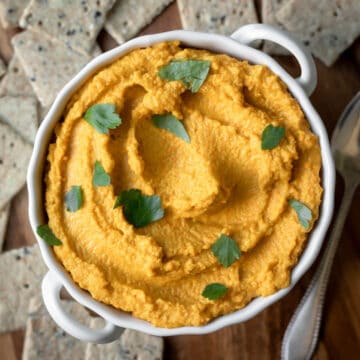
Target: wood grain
260 337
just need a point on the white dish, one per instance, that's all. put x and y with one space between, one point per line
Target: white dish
237 46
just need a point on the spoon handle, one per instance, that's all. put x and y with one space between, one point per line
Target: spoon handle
302 333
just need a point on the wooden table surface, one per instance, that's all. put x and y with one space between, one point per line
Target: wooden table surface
260 337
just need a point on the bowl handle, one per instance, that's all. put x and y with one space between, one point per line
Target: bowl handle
51 288
249 33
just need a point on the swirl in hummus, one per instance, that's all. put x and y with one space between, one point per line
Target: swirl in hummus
222 182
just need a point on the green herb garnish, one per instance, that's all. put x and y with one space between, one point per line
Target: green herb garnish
171 123
140 210
303 213
74 199
192 73
102 117
100 177
226 250
271 137
214 291
46 234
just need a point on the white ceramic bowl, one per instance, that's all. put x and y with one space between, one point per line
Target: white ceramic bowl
237 46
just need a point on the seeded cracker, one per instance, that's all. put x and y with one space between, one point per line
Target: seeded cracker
11 11
2 68
4 216
15 154
128 17
131 345
48 63
24 271
142 346
45 340
43 110
20 112
223 17
268 10
75 22
15 81
327 27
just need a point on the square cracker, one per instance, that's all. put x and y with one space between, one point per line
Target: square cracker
45 340
20 112
43 110
4 217
268 11
48 63
24 271
15 81
327 27
75 22
223 17
128 17
142 346
2 68
11 11
15 154
131 345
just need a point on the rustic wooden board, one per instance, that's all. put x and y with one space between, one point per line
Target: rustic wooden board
260 337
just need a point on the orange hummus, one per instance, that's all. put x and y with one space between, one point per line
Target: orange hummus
222 182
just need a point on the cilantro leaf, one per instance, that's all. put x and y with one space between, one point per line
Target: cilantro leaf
214 291
102 117
46 234
226 250
271 137
100 177
140 210
171 123
74 199
192 73
303 213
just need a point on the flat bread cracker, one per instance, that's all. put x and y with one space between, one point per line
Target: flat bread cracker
4 217
75 22
268 11
131 345
24 271
20 112
45 340
15 154
223 17
11 11
15 81
128 17
327 27
142 346
48 63
2 68
43 110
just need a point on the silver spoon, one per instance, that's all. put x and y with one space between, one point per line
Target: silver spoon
302 333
